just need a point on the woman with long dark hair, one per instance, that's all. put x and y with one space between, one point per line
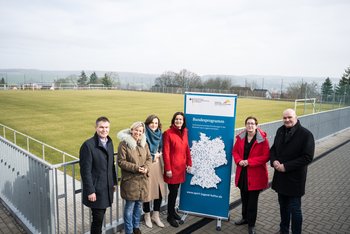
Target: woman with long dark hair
177 160
156 186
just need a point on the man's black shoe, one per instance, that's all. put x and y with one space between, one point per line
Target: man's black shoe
137 231
241 222
172 222
176 216
251 230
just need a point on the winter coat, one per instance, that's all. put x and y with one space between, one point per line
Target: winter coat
176 154
97 172
259 154
132 155
156 181
296 152
156 186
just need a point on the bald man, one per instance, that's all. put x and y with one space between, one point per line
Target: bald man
291 153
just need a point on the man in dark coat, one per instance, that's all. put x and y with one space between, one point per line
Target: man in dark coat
98 173
292 151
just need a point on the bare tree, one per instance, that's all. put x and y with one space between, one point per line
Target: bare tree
114 76
302 89
167 79
218 83
188 79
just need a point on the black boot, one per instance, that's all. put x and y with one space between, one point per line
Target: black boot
172 221
251 230
241 222
176 216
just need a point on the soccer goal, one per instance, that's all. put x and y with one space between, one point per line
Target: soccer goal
96 86
308 103
65 86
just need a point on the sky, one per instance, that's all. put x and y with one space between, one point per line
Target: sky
308 38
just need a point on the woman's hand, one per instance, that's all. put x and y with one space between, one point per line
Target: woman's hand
243 163
143 170
169 174
157 155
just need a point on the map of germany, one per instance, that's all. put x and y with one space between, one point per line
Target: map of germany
207 154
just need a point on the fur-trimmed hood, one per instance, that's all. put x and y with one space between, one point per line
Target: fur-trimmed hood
125 135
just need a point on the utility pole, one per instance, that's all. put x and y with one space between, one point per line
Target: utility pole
281 87
305 98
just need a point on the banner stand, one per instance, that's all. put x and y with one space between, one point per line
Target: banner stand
218 221
210 119
218 225
183 217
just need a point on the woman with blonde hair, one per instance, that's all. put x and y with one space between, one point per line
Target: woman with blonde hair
134 159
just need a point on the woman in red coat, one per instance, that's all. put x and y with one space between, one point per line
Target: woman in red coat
177 159
251 152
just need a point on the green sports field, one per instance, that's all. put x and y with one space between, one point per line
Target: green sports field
64 119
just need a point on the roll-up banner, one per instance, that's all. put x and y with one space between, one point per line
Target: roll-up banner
210 119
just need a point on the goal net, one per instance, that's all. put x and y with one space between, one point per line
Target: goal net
305 106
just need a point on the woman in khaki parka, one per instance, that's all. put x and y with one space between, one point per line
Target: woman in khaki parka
134 159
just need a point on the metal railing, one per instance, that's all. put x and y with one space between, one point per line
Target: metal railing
29 186
26 187
33 145
47 198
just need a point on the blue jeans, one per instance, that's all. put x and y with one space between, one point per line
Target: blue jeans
290 206
132 215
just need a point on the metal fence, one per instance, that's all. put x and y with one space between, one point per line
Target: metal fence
321 124
47 198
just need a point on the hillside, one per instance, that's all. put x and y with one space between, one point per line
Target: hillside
273 83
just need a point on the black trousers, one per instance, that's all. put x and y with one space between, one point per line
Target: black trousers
173 190
97 220
250 206
156 204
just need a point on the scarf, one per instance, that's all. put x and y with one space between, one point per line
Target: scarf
154 140
289 132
